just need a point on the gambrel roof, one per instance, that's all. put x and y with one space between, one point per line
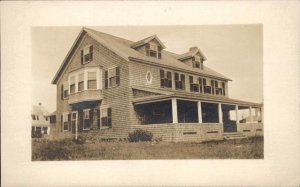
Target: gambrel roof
123 48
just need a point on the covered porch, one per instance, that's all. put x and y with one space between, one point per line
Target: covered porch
227 115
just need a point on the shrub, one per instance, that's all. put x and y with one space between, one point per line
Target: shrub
80 140
140 135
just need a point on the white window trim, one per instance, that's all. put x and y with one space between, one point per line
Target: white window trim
113 67
85 71
67 114
105 107
86 47
151 77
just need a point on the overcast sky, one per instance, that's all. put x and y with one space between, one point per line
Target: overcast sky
235 51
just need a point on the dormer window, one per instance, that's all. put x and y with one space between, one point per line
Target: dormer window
153 50
197 62
87 54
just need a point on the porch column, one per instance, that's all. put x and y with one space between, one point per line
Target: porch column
220 113
237 113
174 110
250 113
199 112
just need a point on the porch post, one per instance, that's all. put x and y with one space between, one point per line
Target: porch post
237 114
199 112
251 116
174 110
220 113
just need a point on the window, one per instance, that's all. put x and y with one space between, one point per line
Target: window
86 119
223 87
200 85
196 62
179 81
33 117
72 85
165 79
65 90
153 50
92 81
81 82
207 89
219 91
112 77
37 117
87 54
45 130
65 121
212 86
149 77
194 85
105 117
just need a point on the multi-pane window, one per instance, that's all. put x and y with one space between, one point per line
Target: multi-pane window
92 81
212 83
86 119
72 84
207 89
196 62
105 117
179 81
194 84
153 50
165 79
112 77
87 54
81 82
65 122
65 90
223 87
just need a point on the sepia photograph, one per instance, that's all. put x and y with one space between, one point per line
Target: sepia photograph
156 92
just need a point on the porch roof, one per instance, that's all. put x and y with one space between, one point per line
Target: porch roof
188 96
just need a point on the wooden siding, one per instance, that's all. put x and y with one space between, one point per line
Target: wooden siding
250 129
117 97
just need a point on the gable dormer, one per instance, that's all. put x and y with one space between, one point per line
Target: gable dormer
150 46
193 58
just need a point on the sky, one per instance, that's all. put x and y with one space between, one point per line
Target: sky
235 51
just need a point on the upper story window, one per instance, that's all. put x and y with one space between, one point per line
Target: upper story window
194 84
165 79
153 50
65 90
112 77
80 82
106 115
33 117
85 79
179 81
87 54
92 80
223 87
197 62
72 84
206 88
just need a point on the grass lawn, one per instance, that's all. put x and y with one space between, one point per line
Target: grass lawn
251 148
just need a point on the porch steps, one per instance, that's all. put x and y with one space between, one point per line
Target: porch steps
234 136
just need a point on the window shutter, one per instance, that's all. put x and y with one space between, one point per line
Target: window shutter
91 52
109 117
191 79
162 77
81 57
176 76
117 75
62 123
62 92
69 121
106 79
169 76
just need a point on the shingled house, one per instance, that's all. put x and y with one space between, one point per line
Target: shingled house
109 86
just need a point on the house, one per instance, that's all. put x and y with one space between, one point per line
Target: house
40 122
109 86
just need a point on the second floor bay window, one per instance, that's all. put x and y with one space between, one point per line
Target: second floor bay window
85 79
165 79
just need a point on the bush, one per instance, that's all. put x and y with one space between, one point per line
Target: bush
80 140
140 135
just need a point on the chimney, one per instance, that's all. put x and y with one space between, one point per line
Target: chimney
193 48
40 104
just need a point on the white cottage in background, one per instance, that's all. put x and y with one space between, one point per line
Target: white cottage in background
40 121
